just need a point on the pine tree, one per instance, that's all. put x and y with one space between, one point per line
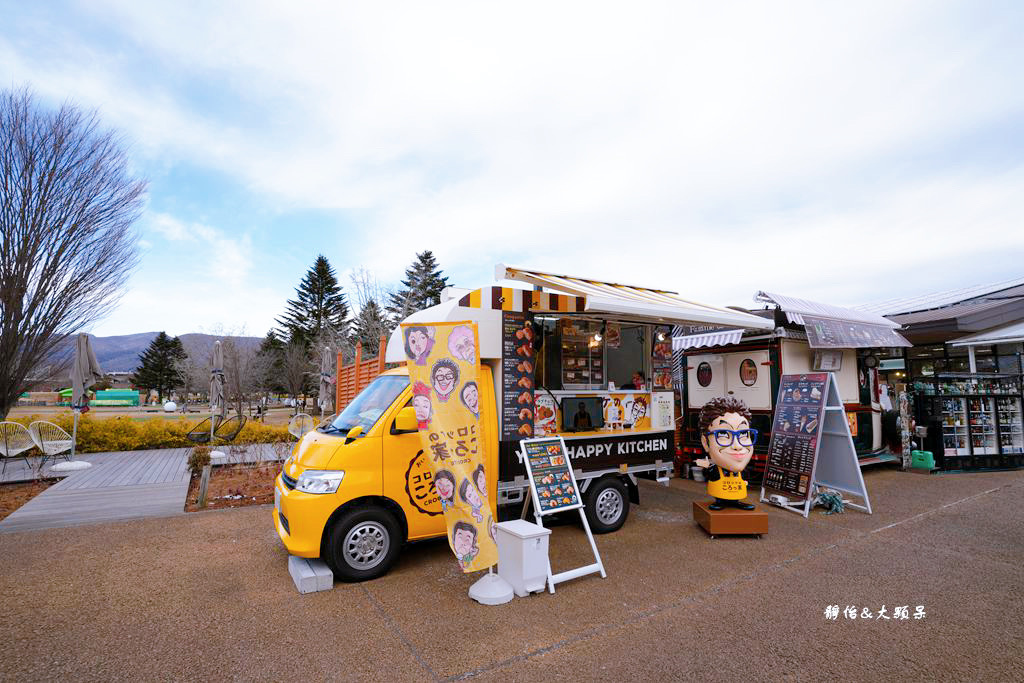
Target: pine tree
421 288
272 349
159 365
319 309
368 327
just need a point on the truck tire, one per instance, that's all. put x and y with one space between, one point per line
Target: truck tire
607 505
363 544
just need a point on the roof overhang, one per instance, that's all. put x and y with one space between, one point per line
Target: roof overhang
1004 334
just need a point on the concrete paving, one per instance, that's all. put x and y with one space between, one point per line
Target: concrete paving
209 595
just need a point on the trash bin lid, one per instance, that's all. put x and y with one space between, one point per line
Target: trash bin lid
520 528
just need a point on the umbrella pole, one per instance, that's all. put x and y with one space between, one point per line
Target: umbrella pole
74 432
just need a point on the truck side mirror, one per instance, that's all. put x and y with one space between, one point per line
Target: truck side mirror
405 421
353 434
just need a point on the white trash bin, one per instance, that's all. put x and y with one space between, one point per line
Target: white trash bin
522 555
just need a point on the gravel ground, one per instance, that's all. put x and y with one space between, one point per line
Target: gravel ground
208 595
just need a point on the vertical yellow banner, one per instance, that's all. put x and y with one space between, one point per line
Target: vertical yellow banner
443 367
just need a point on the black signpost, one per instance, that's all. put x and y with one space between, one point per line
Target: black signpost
811 447
553 489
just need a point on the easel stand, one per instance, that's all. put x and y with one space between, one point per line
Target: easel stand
835 466
539 513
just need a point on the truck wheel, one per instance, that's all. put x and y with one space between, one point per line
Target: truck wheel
363 544
607 505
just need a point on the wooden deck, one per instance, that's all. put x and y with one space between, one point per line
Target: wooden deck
119 486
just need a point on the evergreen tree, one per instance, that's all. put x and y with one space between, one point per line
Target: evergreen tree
368 327
159 365
318 310
421 287
272 350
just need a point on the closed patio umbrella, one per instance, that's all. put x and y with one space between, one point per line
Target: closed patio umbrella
217 405
326 380
85 372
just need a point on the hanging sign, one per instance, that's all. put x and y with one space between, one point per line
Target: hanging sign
443 369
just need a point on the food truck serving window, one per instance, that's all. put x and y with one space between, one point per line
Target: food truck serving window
585 354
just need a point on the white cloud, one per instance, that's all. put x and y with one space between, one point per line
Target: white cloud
585 137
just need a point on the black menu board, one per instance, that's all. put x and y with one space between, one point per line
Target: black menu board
517 376
796 433
551 478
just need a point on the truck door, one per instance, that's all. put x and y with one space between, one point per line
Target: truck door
408 479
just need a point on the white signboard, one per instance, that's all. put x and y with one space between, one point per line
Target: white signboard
705 376
662 410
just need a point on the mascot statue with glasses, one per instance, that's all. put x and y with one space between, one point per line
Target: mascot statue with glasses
726 435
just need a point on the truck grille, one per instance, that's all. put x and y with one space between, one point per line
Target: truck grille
288 482
284 523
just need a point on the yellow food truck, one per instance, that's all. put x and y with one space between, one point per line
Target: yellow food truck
587 359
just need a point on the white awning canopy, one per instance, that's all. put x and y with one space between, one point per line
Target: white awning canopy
634 302
699 341
1004 334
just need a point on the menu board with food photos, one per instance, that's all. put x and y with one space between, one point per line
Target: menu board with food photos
551 477
661 360
517 376
796 434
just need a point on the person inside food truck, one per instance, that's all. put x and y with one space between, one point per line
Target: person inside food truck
637 383
726 435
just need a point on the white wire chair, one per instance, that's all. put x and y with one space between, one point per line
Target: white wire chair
51 440
15 439
300 425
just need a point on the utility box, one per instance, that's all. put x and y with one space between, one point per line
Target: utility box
522 555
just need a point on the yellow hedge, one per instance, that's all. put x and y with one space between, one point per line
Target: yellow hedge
127 434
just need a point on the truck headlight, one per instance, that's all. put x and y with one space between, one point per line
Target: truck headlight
319 481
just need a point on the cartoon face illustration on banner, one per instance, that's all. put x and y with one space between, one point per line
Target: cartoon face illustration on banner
638 409
444 482
444 377
464 542
480 479
419 341
461 343
470 396
469 496
421 404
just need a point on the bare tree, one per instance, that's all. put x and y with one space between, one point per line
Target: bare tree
296 368
195 376
68 201
244 371
371 323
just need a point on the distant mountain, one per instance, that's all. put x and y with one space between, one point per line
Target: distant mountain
121 353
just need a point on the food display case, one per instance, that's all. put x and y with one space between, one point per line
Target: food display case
582 354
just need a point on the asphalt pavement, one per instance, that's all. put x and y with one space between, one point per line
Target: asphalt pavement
208 595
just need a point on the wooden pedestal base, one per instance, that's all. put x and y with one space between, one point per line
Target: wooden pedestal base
730 520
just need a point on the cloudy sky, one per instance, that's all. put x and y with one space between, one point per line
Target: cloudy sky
844 152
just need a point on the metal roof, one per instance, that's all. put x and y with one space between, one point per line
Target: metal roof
950 312
795 309
924 302
1004 334
632 301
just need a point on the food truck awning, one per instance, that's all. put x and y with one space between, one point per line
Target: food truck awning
834 327
1004 334
698 341
631 301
